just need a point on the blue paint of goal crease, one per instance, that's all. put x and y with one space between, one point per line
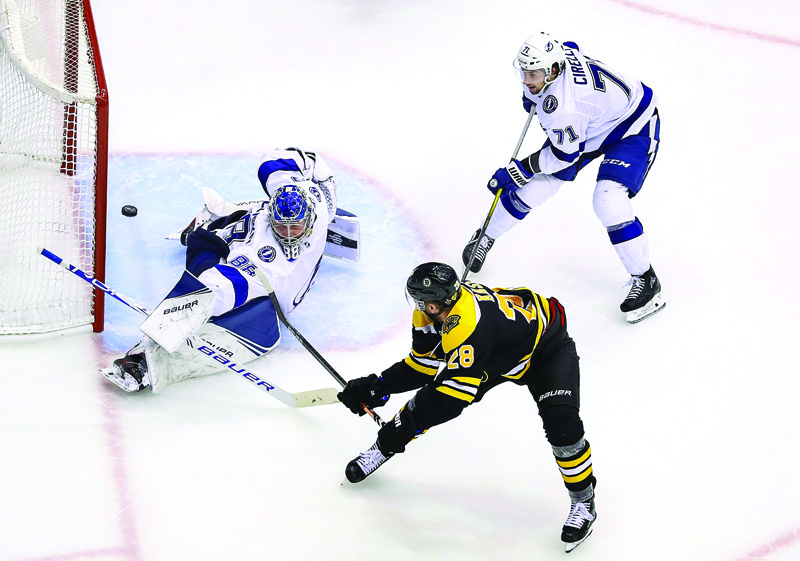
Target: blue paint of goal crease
350 305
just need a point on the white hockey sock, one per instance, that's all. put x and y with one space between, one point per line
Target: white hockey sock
501 222
634 254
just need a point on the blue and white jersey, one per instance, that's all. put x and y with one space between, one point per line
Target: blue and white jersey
587 109
253 244
292 165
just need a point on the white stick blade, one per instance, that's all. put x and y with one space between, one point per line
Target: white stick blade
311 398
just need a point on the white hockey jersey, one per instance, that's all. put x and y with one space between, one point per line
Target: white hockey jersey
253 244
586 109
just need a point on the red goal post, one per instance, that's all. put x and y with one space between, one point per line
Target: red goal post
53 165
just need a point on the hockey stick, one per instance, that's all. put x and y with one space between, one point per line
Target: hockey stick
496 199
323 396
303 341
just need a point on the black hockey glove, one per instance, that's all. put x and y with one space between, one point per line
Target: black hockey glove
367 390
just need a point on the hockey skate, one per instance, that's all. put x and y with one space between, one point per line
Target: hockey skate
480 255
128 372
578 526
367 462
644 297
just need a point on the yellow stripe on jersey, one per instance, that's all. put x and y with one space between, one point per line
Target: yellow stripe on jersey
420 367
543 305
517 374
461 320
468 380
455 393
542 323
422 322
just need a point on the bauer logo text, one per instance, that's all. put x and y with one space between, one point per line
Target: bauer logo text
186 306
554 393
236 368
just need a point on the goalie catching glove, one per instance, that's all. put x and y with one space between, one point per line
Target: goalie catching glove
367 390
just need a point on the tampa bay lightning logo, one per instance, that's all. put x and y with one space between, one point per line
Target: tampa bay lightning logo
267 253
548 47
550 104
314 191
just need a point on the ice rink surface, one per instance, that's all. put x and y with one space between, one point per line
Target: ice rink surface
692 414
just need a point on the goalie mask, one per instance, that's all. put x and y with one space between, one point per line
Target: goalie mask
291 217
540 52
433 282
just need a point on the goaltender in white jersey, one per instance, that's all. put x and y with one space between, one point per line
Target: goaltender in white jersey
219 304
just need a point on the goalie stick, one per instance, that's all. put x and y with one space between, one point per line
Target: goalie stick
496 199
303 341
324 396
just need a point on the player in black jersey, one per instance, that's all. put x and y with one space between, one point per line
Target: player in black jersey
481 337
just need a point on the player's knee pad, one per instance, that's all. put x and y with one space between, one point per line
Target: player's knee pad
611 203
539 189
562 424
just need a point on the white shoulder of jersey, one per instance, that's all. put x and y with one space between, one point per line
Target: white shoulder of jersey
584 106
309 167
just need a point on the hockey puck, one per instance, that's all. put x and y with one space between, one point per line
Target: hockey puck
129 210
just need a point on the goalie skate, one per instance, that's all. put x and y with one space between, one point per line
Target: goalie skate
128 373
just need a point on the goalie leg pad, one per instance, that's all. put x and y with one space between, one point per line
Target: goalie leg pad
185 309
227 341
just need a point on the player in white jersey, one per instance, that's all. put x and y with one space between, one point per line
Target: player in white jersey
587 111
219 302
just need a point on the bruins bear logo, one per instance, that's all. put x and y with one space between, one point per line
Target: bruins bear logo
450 323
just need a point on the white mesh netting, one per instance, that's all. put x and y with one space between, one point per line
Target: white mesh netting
48 161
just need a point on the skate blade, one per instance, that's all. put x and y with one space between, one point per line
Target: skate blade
570 546
653 306
110 374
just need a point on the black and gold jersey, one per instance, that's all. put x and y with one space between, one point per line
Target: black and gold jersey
489 333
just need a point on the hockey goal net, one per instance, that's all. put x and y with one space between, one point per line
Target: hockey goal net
53 165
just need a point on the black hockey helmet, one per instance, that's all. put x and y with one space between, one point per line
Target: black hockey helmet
434 282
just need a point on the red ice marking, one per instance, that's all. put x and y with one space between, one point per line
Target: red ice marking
129 549
125 512
764 551
708 24
121 552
